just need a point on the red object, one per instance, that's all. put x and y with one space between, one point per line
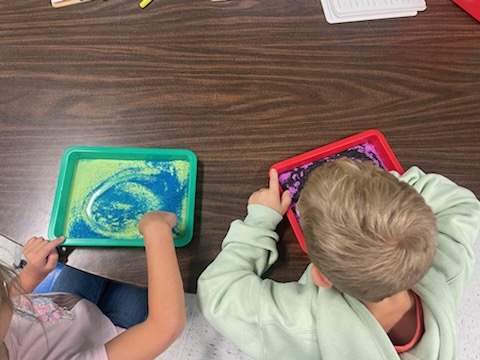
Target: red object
472 7
373 137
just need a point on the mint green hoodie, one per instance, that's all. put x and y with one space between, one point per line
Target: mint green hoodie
299 320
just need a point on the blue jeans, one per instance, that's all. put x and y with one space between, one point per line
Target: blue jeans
125 305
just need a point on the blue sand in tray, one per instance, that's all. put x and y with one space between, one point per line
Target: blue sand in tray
114 207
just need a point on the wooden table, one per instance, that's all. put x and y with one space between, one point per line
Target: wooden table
243 84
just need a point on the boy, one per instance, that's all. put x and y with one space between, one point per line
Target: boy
391 256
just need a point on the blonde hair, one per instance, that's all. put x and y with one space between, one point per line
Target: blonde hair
9 281
10 285
370 234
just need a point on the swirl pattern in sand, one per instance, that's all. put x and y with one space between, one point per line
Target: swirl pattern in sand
108 197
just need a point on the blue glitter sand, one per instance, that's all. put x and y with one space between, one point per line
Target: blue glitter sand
109 196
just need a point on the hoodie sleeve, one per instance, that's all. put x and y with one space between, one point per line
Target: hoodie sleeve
458 220
229 289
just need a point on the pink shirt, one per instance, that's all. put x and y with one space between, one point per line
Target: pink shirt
64 327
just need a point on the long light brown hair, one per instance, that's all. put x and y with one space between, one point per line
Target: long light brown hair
10 284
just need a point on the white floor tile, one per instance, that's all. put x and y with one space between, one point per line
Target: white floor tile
468 320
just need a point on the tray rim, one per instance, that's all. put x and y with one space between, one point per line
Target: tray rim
328 150
79 150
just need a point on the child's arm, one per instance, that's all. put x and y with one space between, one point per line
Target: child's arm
166 315
41 256
231 293
458 220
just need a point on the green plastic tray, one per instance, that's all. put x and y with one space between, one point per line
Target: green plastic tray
102 192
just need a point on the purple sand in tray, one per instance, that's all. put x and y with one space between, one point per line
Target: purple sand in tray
294 180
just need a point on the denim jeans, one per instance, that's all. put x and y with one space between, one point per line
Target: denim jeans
125 305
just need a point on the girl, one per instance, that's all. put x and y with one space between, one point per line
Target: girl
63 326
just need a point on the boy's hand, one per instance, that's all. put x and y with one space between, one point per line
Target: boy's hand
41 256
271 197
156 218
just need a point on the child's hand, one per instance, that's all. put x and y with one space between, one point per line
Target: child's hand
41 256
271 197
166 301
156 218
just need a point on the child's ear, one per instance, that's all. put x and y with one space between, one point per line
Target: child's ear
320 279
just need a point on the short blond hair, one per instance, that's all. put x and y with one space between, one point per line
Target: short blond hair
369 233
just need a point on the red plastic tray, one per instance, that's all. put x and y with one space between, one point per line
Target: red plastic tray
372 137
472 7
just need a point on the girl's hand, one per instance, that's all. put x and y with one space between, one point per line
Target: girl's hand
156 218
41 256
271 196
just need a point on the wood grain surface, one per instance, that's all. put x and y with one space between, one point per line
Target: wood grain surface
243 84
